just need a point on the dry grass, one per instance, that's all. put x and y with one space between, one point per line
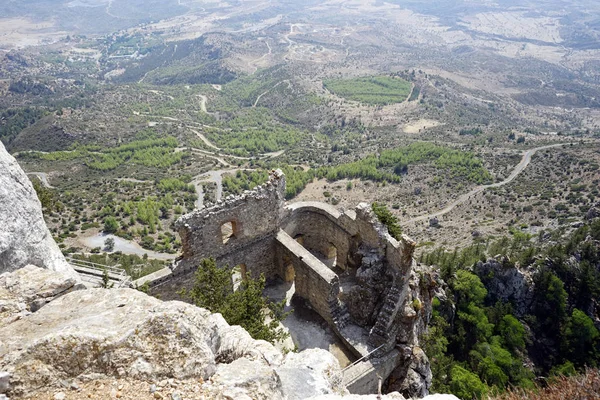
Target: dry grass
586 386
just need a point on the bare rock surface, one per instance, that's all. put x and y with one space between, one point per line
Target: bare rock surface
28 289
309 373
389 396
98 334
507 283
125 333
24 236
245 379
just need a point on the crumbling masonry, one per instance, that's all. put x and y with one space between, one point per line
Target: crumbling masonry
345 265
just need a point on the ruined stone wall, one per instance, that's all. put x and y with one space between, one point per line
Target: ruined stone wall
314 281
321 231
377 302
255 217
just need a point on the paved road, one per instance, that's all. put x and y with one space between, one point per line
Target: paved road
525 160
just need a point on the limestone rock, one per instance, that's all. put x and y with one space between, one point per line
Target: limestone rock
125 333
250 379
418 377
593 212
389 396
26 290
24 236
507 283
4 382
311 372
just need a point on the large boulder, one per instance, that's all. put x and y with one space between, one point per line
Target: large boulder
507 282
311 372
124 333
24 236
28 289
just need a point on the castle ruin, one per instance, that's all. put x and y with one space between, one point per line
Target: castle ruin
345 265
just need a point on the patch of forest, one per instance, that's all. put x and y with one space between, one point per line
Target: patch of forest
480 342
377 90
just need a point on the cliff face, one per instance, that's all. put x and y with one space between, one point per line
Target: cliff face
24 237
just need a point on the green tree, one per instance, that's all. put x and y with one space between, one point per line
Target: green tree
465 384
580 340
109 244
246 307
512 333
111 225
388 219
106 283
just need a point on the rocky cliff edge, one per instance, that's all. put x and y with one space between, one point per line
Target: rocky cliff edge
24 236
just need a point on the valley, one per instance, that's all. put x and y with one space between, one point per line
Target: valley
476 125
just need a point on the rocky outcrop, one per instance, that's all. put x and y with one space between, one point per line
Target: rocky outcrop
413 375
311 372
28 289
593 212
24 236
95 333
507 282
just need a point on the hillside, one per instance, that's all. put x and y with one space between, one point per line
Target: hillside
473 126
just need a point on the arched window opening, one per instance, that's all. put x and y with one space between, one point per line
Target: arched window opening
331 256
238 276
228 230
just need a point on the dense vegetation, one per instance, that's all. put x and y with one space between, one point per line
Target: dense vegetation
378 90
159 153
391 164
254 131
14 120
482 346
246 306
388 166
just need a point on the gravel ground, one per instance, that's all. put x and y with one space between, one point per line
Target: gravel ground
168 389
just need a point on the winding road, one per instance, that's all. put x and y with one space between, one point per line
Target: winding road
525 160
211 176
254 63
267 91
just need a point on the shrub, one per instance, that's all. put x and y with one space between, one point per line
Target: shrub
388 219
245 307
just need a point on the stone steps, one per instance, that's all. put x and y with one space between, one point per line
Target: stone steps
339 313
387 315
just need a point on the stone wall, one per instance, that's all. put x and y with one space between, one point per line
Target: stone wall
320 230
255 217
314 281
